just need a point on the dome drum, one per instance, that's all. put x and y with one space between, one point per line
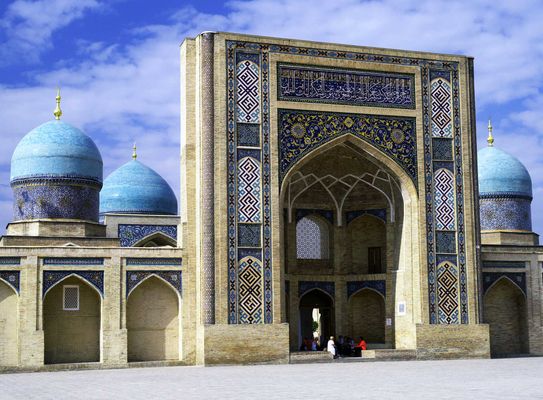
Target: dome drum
505 214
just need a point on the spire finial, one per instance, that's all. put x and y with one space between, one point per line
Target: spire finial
134 154
490 138
58 112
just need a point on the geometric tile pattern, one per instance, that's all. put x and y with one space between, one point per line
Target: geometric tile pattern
445 242
250 291
94 278
12 278
249 190
504 264
10 260
340 86
447 292
442 149
312 239
444 200
447 289
249 235
129 234
302 131
355 286
303 212
248 135
441 108
134 278
248 93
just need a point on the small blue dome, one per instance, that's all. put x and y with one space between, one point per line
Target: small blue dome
56 149
135 188
501 174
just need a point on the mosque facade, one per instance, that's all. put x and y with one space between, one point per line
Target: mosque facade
325 190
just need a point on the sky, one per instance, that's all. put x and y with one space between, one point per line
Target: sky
117 62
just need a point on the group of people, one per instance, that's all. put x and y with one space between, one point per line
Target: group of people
343 347
346 347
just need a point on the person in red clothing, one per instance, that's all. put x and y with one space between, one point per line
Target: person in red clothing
359 347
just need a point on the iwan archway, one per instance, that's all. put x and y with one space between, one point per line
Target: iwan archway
292 134
350 223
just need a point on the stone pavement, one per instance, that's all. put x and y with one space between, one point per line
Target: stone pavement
516 378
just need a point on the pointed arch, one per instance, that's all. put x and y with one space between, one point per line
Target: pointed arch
154 275
81 278
8 284
367 315
317 289
156 237
509 280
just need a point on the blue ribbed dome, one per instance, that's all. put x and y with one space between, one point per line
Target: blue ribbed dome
135 188
501 174
56 149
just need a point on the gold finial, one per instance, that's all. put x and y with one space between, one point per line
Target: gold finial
490 138
134 154
58 112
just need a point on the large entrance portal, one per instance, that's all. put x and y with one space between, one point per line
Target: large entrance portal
343 235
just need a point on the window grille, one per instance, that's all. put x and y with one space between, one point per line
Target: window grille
312 241
70 298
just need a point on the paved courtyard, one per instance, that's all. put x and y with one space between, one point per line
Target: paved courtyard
519 378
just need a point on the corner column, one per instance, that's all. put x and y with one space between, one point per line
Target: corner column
208 181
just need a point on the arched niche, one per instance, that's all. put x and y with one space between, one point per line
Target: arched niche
505 312
367 238
8 325
153 320
72 335
367 315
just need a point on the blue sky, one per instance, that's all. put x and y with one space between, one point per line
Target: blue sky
118 65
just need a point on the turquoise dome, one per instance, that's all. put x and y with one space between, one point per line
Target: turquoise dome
56 149
501 174
135 188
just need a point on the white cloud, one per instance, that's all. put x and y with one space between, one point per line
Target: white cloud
29 25
122 92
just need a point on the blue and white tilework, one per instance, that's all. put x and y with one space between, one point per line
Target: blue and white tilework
518 278
355 286
306 286
130 234
12 278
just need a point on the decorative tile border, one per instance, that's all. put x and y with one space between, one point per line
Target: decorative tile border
155 261
355 286
130 234
73 261
306 286
95 278
304 212
440 69
343 86
10 260
12 278
504 264
134 278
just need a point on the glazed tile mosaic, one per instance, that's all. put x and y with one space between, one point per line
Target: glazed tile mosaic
306 286
300 132
130 234
517 278
12 278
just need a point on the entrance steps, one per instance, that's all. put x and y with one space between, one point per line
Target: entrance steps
303 357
